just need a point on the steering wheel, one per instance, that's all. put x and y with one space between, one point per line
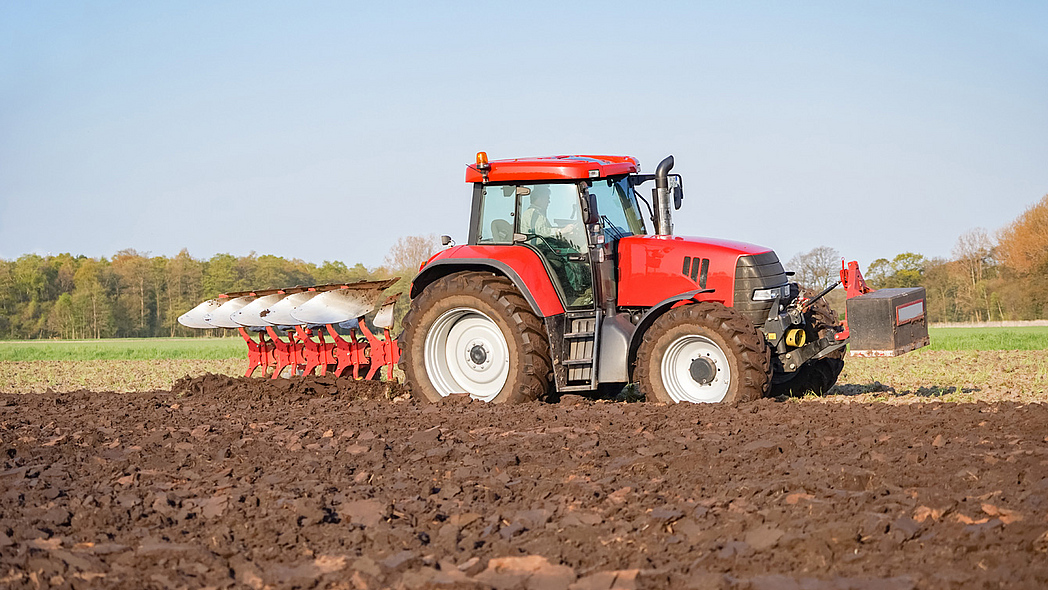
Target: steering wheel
559 251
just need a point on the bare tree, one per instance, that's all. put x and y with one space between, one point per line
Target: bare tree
410 252
973 254
974 251
816 269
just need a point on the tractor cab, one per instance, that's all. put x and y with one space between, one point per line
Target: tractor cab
573 213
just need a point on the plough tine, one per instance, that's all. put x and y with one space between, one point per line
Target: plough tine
287 352
348 353
359 355
314 353
258 352
383 353
375 349
340 351
392 354
390 351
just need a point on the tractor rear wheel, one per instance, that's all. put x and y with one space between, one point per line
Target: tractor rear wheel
474 333
703 352
819 375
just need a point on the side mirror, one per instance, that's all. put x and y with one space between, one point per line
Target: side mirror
445 240
677 190
589 207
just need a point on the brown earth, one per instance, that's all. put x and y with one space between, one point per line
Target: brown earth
227 482
959 376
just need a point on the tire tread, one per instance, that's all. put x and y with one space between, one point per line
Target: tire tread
498 291
749 346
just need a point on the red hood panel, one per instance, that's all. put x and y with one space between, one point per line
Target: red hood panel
655 268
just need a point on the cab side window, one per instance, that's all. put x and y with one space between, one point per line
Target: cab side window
551 211
497 207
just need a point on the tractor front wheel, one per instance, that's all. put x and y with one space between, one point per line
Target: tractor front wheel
474 333
819 375
703 352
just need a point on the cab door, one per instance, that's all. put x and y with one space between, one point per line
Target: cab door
549 220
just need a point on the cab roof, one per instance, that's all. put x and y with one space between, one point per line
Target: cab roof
553 168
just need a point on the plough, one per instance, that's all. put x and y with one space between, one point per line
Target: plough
288 330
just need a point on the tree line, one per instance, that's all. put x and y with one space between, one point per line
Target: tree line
988 277
137 295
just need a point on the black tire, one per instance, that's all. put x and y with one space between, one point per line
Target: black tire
822 322
502 353
670 367
817 376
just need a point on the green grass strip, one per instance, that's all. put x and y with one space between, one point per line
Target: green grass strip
1015 338
123 349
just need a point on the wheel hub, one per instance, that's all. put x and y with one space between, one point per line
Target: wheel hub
703 370
477 355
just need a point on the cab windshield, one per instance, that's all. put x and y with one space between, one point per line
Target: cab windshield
619 214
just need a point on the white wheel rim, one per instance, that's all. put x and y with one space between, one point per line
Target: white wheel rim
466 352
677 370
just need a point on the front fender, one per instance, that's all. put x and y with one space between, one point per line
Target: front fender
656 311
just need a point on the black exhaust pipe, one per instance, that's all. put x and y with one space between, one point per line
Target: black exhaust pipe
662 173
661 195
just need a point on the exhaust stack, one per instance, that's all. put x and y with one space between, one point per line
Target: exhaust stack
661 196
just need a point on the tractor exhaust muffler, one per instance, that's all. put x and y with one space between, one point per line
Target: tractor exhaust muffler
662 194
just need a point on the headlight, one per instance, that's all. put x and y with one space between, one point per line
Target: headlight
780 292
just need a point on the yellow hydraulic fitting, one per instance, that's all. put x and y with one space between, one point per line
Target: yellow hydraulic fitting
796 337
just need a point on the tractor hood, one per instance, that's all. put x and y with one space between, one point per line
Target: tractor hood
655 268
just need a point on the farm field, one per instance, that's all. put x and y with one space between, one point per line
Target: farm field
232 347
963 364
926 471
968 375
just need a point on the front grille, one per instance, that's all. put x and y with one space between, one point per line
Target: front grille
756 271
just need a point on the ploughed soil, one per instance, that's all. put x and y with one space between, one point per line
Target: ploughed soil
226 482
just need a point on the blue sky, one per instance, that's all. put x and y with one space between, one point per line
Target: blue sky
324 131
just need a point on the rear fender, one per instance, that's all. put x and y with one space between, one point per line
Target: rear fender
518 264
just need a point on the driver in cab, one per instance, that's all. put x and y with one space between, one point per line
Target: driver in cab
534 219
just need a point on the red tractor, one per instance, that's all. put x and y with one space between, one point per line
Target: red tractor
559 287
